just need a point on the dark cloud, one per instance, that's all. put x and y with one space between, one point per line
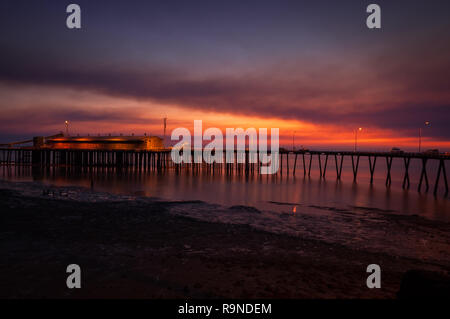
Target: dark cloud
395 88
44 115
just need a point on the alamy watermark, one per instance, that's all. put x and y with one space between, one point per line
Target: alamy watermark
73 20
74 279
255 151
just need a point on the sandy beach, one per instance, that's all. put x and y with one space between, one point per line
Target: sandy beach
136 249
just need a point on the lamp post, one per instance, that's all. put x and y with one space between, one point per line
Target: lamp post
165 126
427 123
356 137
293 141
67 127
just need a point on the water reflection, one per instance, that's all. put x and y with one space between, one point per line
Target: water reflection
260 191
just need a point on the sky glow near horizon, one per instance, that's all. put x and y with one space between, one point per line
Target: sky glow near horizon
311 68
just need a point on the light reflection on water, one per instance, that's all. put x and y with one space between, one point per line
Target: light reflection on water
282 192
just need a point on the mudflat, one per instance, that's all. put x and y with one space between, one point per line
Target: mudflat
137 249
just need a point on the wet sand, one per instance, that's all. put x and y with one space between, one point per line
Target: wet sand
136 249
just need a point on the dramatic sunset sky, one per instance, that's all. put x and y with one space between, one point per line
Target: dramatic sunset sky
309 67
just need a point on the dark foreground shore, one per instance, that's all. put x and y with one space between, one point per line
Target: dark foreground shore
134 249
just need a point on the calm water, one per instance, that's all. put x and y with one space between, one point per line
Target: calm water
376 218
280 193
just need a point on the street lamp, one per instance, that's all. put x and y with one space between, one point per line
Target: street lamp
293 142
67 127
356 137
427 123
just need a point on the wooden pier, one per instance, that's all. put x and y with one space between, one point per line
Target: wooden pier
139 159
388 157
143 160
